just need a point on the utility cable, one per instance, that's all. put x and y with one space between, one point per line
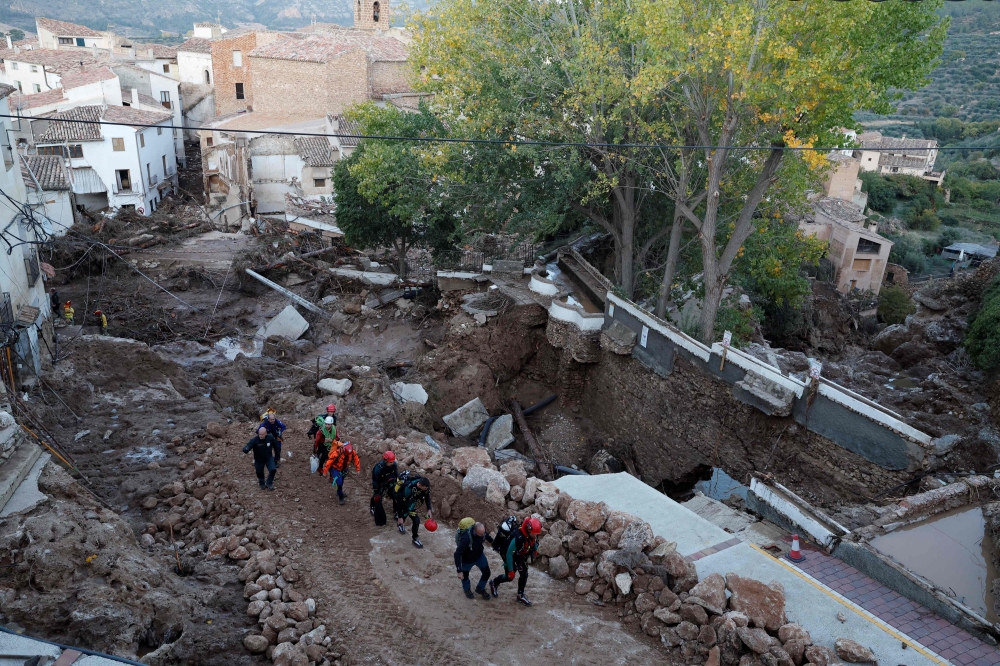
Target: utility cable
498 142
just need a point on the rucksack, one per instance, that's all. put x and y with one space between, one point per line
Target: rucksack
504 531
464 530
401 480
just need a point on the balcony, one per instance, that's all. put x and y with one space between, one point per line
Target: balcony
6 311
32 268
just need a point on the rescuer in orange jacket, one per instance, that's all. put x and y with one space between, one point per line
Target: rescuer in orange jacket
340 458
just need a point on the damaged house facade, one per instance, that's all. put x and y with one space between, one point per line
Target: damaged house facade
888 155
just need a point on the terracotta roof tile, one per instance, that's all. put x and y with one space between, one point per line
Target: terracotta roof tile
327 47
161 51
133 116
48 170
196 45
6 90
315 151
59 130
59 61
348 128
23 102
66 29
86 77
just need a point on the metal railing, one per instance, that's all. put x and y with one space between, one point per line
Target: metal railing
466 261
32 268
6 311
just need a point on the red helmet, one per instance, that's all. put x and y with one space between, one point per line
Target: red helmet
389 457
531 526
330 409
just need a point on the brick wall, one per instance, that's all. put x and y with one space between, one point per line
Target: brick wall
226 76
393 76
310 88
364 14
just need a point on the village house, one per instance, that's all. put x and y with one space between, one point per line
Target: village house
151 90
888 155
41 70
46 180
197 87
231 73
53 34
858 254
24 311
121 165
842 181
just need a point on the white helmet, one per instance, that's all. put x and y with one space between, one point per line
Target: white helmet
329 420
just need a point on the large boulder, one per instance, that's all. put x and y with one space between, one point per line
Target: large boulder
913 353
636 536
515 473
558 567
586 516
763 604
337 387
255 644
550 546
891 337
947 334
754 638
409 392
424 456
468 418
683 573
468 457
821 656
547 505
853 652
501 433
481 479
712 592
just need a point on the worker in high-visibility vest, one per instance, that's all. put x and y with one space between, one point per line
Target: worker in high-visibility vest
68 312
104 322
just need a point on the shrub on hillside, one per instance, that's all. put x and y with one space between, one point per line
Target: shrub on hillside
982 340
881 192
894 305
914 261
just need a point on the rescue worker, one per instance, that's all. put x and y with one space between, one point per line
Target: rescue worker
384 475
103 321
320 420
68 312
54 301
276 429
262 446
407 496
521 546
342 456
469 552
325 437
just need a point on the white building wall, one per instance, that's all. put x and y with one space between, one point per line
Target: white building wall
192 67
272 178
25 76
158 146
57 207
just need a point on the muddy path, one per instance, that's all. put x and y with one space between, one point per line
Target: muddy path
394 604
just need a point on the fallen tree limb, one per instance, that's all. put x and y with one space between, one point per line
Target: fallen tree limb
539 454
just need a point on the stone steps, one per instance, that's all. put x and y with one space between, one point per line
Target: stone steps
16 469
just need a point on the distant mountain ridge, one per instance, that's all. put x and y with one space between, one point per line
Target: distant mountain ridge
148 17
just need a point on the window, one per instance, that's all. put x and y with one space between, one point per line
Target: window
124 180
76 150
319 182
866 246
18 84
237 58
66 40
164 157
149 173
209 142
142 140
166 69
129 207
375 11
159 131
208 77
13 65
52 150
862 264
239 91
165 99
118 144
34 68
37 88
80 41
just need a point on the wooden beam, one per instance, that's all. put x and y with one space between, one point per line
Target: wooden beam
538 453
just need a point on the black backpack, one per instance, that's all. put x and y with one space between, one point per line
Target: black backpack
506 528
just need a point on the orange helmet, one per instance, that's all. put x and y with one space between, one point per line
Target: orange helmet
97 312
531 526
69 302
348 447
389 457
330 409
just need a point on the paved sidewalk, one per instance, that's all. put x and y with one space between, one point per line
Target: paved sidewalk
912 619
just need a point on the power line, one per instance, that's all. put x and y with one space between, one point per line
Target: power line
496 142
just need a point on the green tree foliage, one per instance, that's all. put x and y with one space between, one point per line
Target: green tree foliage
761 72
982 340
881 192
894 304
16 34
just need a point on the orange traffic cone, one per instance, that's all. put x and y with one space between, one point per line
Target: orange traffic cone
795 554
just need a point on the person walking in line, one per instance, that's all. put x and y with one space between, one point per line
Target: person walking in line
520 547
262 446
54 301
317 423
276 429
103 321
341 457
469 552
68 312
384 476
409 494
324 439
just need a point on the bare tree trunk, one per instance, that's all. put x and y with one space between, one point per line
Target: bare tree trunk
625 214
673 252
710 308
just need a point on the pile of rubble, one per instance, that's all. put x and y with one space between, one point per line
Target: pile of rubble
199 509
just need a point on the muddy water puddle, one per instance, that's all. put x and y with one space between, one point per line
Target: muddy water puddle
952 551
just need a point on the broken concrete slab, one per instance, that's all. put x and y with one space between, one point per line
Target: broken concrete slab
375 301
370 278
618 339
409 392
233 347
468 418
337 387
291 295
27 495
286 324
501 433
